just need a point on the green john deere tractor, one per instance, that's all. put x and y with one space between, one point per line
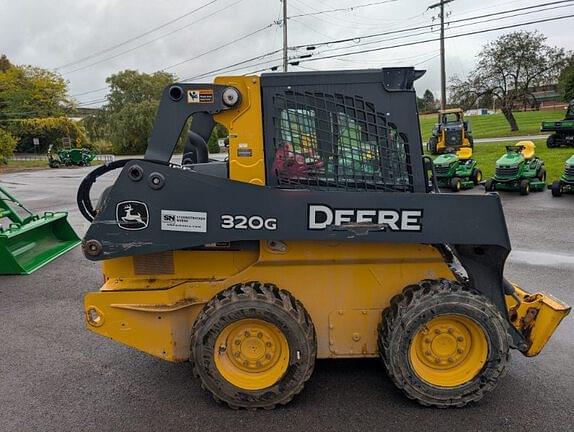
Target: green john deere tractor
70 157
457 169
518 170
566 182
562 130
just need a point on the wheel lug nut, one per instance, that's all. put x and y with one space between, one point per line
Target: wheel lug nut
247 334
259 335
245 363
427 340
450 330
460 338
268 356
460 350
437 331
237 342
450 360
427 353
236 354
268 344
437 360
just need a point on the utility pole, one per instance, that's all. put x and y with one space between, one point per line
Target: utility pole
284 35
440 5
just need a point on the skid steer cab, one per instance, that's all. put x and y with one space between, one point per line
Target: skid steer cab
318 237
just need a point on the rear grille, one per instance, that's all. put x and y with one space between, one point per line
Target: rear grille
506 172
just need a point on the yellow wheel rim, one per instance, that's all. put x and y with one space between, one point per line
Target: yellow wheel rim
251 354
449 351
478 177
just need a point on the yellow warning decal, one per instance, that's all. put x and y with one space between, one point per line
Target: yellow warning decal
200 96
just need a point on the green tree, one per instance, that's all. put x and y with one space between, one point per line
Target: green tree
127 118
429 101
4 63
49 130
509 69
31 92
566 81
7 145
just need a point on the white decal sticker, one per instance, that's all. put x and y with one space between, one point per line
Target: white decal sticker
187 221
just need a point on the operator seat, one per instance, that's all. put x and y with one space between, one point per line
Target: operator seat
527 149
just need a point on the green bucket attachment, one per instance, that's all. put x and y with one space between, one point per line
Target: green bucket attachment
27 243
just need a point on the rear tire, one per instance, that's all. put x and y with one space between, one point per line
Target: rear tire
253 346
476 176
556 189
524 187
437 315
541 174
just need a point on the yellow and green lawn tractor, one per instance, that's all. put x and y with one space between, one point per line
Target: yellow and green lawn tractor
519 169
450 131
29 241
457 170
292 250
566 182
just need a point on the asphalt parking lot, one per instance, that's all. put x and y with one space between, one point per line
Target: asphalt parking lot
55 375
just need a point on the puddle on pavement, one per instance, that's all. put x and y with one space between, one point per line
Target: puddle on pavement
541 258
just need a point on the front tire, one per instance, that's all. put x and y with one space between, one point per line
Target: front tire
253 346
476 176
551 141
524 187
455 184
556 189
489 185
443 344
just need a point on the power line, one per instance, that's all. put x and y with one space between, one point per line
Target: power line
127 41
150 41
343 9
427 26
436 39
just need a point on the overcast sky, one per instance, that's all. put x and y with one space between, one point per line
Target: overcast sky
56 33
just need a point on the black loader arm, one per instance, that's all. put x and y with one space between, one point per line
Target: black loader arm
179 102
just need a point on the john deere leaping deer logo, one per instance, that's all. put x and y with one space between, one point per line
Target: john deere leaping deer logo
132 215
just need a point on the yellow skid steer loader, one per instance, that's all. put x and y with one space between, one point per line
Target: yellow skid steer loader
319 237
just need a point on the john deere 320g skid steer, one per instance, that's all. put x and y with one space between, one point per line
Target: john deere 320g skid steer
319 237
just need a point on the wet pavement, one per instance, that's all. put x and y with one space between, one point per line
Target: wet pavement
55 375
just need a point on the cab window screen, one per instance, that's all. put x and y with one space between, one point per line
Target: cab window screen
327 141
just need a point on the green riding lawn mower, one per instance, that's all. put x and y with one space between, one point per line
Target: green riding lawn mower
562 130
456 169
518 170
70 157
29 241
566 183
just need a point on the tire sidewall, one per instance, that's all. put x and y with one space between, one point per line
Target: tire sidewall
450 304
203 349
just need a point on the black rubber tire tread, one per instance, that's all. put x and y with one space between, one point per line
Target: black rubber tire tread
262 301
556 189
524 187
432 145
455 184
551 141
420 303
474 176
541 174
489 185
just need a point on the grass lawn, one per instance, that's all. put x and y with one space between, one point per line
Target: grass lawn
487 153
495 125
28 165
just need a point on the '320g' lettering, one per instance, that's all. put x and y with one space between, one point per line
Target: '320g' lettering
248 222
